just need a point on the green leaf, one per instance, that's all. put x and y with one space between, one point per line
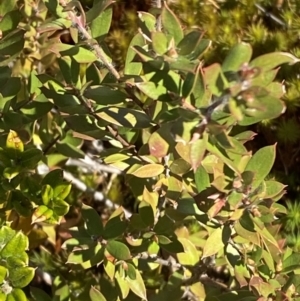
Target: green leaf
117 157
70 146
154 91
125 117
159 42
189 42
97 10
175 246
247 234
36 109
96 295
41 214
214 79
214 243
88 257
92 220
86 125
269 107
12 44
14 143
70 70
123 284
149 171
272 60
47 194
57 24
197 151
10 21
147 22
190 256
17 243
105 95
3 273
21 277
171 24
237 56
291 263
146 213
11 172
201 179
7 6
220 153
53 178
114 227
109 268
62 190
16 295
18 261
101 24
180 166
118 250
273 188
31 157
38 294
132 67
131 271
79 54
9 90
200 50
6 234
137 285
261 164
60 207
190 82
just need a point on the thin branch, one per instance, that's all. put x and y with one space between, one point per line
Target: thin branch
97 195
158 18
50 145
93 165
161 261
199 271
85 35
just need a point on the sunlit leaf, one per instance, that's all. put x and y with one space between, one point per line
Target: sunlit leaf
137 285
96 295
149 171
125 117
118 250
171 24
261 164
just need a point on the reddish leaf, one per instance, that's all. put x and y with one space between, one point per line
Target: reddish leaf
158 146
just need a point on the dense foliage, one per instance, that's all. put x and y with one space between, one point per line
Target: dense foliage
173 127
269 26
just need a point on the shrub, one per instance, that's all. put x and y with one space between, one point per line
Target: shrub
173 126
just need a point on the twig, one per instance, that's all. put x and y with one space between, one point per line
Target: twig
161 261
199 271
76 21
50 145
189 295
93 165
158 18
98 196
270 15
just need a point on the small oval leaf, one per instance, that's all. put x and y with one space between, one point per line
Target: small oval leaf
96 295
149 171
118 250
